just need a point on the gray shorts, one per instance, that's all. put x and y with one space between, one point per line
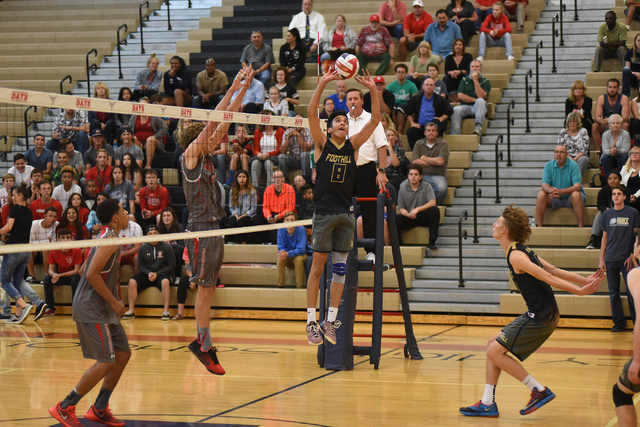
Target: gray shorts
624 378
205 256
333 232
101 341
566 203
524 336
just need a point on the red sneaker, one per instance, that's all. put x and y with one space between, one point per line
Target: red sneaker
103 417
67 417
210 360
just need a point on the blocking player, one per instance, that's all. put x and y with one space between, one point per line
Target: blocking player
333 219
96 310
522 337
206 208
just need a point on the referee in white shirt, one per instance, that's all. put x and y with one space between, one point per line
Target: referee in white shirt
369 177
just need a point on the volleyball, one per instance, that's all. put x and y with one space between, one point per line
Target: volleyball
347 65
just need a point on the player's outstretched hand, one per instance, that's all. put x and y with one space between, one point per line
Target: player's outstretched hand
237 81
366 80
633 371
593 282
330 76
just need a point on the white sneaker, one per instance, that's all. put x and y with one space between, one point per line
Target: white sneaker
371 257
480 58
511 58
628 28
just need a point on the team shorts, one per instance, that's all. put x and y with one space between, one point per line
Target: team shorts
100 341
524 336
624 378
566 203
205 255
333 232
144 283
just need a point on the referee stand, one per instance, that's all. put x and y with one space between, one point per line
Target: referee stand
340 356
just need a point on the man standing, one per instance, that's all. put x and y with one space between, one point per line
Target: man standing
441 34
128 147
212 84
414 26
375 44
72 125
473 95
613 102
402 89
340 97
311 26
260 56
432 154
612 40
426 107
387 100
417 206
296 151
39 156
392 14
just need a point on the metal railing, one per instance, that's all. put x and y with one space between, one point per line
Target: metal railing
118 43
554 34
575 5
477 192
510 122
90 68
62 84
527 90
499 140
142 18
462 234
563 8
169 15
3 155
538 62
28 124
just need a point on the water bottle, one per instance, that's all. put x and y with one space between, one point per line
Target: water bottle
605 40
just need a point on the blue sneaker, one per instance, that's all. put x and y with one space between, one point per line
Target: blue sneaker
481 410
538 400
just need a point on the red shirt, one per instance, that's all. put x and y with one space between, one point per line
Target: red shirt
102 178
154 201
273 204
65 261
84 233
338 40
6 210
38 208
257 136
502 25
417 26
83 214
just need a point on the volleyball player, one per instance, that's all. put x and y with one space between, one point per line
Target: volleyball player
206 209
523 336
333 219
97 309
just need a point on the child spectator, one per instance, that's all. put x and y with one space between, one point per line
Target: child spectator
242 151
293 251
38 207
121 189
62 192
20 170
62 159
90 194
8 181
154 198
42 231
306 202
64 270
280 107
92 223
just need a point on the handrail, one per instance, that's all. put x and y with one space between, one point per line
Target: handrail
189 4
575 17
461 235
28 124
477 192
93 67
554 34
118 43
3 155
527 90
563 8
538 62
145 2
168 15
510 122
499 140
62 84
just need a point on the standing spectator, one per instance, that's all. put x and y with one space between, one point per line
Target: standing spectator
39 207
97 143
126 136
72 125
63 192
464 14
20 170
441 88
516 11
484 8
148 81
631 70
295 151
311 26
375 44
253 98
432 154
243 206
612 39
177 84
100 173
62 160
456 66
168 223
287 90
604 202
630 177
619 226
340 97
387 99
473 95
77 201
341 39
396 160
441 34
122 190
71 220
277 106
63 270
154 198
402 90
39 156
579 102
576 140
615 145
419 65
279 198
496 31
211 84
42 231
613 102
426 107
414 26
266 147
242 148
259 56
149 133
293 55
293 251
392 14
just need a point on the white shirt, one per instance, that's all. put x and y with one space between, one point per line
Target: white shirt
22 176
368 151
316 25
39 234
133 230
63 196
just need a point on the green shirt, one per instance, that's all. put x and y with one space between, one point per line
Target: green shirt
468 87
562 177
618 34
402 92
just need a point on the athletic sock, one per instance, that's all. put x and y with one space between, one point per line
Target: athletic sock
204 338
489 396
103 399
531 383
333 313
71 400
311 315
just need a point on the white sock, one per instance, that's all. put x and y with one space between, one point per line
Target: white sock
532 383
311 315
489 396
333 313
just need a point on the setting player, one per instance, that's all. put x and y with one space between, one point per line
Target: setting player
523 336
205 211
97 309
333 219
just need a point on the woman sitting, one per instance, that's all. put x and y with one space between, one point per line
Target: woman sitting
242 149
122 190
287 90
148 81
77 201
266 147
576 139
464 14
102 120
71 221
148 133
630 178
456 65
123 119
169 224
341 39
293 55
580 103
615 145
396 160
328 107
243 206
419 65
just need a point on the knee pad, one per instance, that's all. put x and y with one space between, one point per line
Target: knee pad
620 398
339 266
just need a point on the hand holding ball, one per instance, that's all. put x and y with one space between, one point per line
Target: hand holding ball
347 66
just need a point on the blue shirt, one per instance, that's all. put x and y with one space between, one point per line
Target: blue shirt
441 41
39 162
295 244
339 105
562 177
254 94
427 112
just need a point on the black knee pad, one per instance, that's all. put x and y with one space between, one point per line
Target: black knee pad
620 398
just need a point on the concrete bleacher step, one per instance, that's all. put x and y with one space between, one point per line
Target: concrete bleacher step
559 236
565 216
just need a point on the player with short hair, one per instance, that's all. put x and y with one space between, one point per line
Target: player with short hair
333 219
522 337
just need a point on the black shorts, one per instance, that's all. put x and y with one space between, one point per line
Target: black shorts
144 283
524 336
101 341
624 378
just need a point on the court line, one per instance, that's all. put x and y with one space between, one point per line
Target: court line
7 371
614 420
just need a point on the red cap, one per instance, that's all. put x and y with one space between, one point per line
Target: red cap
374 18
378 79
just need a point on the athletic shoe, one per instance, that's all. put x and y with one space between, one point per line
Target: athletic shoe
30 279
67 417
128 315
166 316
25 312
40 311
313 334
49 312
480 58
13 319
208 358
103 417
479 409
511 58
5 317
594 242
329 331
538 400
432 246
371 257
478 129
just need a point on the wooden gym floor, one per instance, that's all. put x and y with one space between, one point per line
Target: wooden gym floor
273 379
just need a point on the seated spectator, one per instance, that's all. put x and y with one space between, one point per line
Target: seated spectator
132 172
167 224
97 143
92 223
402 90
122 120
36 178
295 151
101 172
630 12
561 187
341 39
279 198
62 161
456 66
473 95
441 34
615 145
157 265
177 84
77 201
392 14
631 70
242 149
243 206
612 40
211 85
293 251
306 206
604 202
387 99
74 158
516 11
417 206
419 65
90 195
71 221
72 125
579 102
127 147
340 97
63 192
484 8
20 170
432 154
327 109
149 133
436 110
613 102
414 26
39 156
464 14
375 44
441 87
311 26
266 147
287 90
42 231
396 160
148 80
129 252
154 199
496 31
576 140
122 190
63 270
630 177
260 56
8 181
103 120
253 99
275 104
293 55
39 206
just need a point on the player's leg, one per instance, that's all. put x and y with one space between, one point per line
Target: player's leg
487 407
625 410
313 286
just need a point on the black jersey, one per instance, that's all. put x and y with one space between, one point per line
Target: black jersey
335 178
538 295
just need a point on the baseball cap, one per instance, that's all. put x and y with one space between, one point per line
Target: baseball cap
418 3
378 79
125 129
96 132
152 227
374 18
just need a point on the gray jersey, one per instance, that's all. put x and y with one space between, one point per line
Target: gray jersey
202 193
88 305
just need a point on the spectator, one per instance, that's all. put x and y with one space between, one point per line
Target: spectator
341 39
340 97
74 158
464 14
259 56
121 189
432 154
387 99
154 199
71 221
441 88
293 251
456 66
253 99
132 172
211 85
613 102
63 270
327 108
39 156
103 120
266 147
287 90
293 55
426 107
177 84
183 286
516 11
167 224
604 202
295 151
279 198
90 195
243 206
402 90
396 160
39 207
484 8
122 120
126 135
630 177
441 34
615 145
417 206
149 133
92 223
97 144
375 44
148 81
496 31
414 26
561 187
631 70
42 231
20 170
580 103
473 95
612 39
419 65
62 161
616 253
392 14
306 206
129 252
157 264
77 201
8 181
576 140
311 26
242 151
72 125
277 106
36 178
100 173
62 192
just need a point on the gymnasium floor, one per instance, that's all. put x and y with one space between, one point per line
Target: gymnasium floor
273 379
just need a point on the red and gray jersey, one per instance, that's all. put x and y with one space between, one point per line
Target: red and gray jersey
202 192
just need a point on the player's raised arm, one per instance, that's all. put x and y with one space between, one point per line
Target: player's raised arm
363 136
319 137
224 102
